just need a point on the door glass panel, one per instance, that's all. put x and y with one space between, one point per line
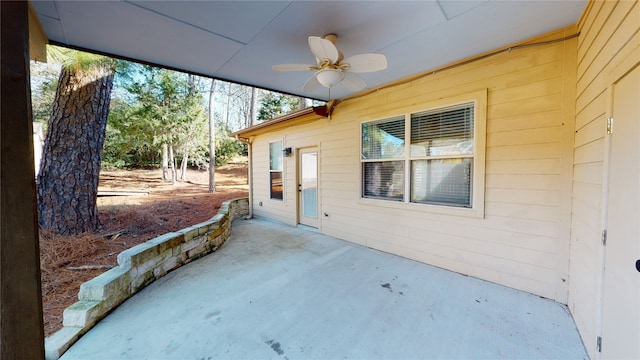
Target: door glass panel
309 183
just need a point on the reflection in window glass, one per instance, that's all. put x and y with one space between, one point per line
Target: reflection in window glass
276 185
383 139
275 155
383 180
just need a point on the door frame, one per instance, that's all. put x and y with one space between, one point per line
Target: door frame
615 76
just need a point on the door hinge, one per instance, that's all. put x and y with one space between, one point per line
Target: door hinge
610 126
604 237
599 344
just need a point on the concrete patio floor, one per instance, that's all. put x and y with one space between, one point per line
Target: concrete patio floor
279 292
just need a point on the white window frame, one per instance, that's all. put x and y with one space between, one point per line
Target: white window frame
479 99
271 171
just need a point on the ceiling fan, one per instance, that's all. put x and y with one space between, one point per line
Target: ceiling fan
331 68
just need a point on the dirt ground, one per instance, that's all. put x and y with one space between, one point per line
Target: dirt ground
157 207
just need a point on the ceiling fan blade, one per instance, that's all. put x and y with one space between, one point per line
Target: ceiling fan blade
366 63
292 67
323 49
353 82
311 85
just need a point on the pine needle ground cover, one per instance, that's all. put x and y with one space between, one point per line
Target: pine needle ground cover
158 207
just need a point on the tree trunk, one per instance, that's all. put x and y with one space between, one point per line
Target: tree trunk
70 166
172 161
212 138
229 95
165 162
253 113
183 166
192 84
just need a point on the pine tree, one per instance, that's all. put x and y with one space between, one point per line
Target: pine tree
67 184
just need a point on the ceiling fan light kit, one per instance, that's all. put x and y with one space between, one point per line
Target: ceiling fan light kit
329 77
331 68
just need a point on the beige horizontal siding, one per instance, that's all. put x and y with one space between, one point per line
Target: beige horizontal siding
588 153
592 131
595 109
590 173
522 211
524 122
524 181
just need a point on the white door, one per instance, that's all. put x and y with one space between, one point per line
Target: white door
308 187
621 298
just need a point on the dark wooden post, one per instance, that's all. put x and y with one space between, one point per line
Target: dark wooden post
22 335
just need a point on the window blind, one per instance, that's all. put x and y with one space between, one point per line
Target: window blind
445 131
442 181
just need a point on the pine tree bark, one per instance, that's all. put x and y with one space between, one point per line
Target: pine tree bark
67 183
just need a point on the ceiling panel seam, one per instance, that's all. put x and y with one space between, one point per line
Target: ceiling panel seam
61 20
444 20
253 37
185 23
442 10
269 23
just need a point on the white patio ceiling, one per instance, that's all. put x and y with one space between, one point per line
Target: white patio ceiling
241 40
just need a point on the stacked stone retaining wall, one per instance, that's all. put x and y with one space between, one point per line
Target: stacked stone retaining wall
138 267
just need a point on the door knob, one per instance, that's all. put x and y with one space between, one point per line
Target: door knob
638 265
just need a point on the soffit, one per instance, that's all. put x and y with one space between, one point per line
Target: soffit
241 40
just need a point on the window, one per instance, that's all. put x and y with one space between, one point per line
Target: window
383 159
442 156
433 157
275 170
